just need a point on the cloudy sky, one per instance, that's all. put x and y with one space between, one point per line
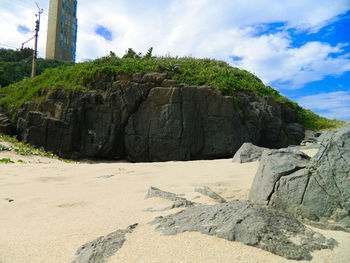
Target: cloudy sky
299 47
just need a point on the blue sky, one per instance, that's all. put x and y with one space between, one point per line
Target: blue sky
299 47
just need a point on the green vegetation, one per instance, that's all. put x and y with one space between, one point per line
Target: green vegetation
17 64
6 160
25 149
82 77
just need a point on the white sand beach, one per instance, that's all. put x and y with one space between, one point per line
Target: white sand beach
58 206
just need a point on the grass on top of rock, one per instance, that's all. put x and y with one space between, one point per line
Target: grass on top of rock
81 77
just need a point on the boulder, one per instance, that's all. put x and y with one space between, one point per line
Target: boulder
327 193
248 153
275 165
317 190
253 225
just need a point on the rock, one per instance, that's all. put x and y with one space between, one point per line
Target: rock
296 132
317 190
99 250
248 153
178 201
265 119
6 126
208 192
148 117
328 189
275 165
253 225
183 123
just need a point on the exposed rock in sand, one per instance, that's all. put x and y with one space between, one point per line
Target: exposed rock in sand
253 225
99 250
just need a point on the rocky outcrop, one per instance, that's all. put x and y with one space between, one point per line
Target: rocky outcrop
6 126
317 190
147 117
99 250
248 153
253 225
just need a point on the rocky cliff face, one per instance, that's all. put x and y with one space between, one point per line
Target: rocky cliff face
147 117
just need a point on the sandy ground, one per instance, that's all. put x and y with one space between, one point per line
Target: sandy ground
59 206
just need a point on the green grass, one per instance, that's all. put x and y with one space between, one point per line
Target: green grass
81 77
25 149
6 160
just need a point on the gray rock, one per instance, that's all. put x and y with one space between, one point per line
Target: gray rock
208 192
253 225
274 165
178 201
317 191
99 250
248 153
147 117
328 189
296 132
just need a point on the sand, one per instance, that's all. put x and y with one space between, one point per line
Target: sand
59 206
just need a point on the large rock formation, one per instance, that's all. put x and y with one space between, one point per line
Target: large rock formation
318 190
147 117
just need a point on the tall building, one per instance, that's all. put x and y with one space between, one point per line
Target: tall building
62 30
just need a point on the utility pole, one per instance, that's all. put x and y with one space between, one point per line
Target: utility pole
37 26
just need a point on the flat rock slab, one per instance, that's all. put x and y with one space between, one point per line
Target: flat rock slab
178 201
99 250
208 192
253 225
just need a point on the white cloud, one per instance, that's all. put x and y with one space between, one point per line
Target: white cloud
202 28
331 105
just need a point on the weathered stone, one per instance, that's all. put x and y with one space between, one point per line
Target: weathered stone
253 225
296 132
6 126
274 165
208 192
146 117
178 200
99 250
248 153
316 190
328 189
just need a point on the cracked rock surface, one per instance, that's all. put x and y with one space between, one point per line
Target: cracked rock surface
254 225
317 190
99 250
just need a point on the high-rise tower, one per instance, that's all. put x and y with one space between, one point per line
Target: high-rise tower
62 30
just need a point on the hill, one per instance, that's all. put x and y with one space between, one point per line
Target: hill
84 77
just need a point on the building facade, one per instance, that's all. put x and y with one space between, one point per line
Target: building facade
62 30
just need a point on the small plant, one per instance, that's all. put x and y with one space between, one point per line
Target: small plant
6 160
4 148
